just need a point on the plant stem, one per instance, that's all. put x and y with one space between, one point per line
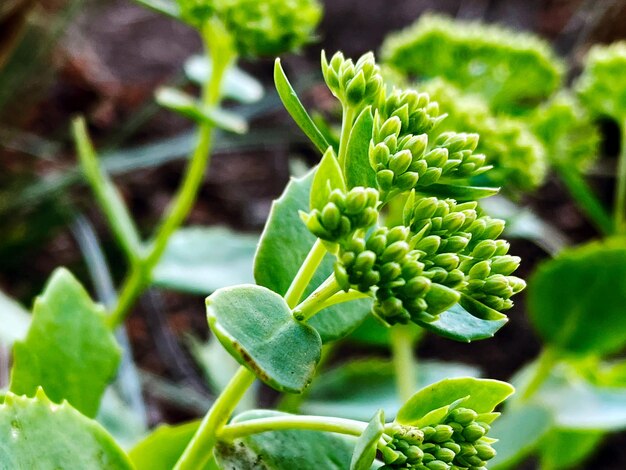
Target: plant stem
139 277
279 423
199 449
106 194
342 296
545 363
620 193
404 363
346 127
586 199
305 273
314 302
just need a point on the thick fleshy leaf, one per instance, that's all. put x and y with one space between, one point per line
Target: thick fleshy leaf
163 447
68 349
373 332
564 449
576 403
294 107
275 266
237 85
483 396
357 389
460 193
467 321
365 448
284 450
188 106
14 319
577 300
255 325
204 259
37 433
327 177
518 431
357 169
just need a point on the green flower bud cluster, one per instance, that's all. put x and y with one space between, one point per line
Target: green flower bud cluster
355 85
270 27
601 86
567 132
459 250
459 443
196 12
258 28
508 68
344 214
416 111
386 265
403 162
517 155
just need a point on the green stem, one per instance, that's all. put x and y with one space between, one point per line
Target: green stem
314 302
545 363
404 363
586 199
279 423
305 273
106 194
342 296
346 127
199 449
620 194
139 278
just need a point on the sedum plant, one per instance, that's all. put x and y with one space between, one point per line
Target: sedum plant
511 70
387 224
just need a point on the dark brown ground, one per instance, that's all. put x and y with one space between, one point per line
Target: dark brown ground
111 59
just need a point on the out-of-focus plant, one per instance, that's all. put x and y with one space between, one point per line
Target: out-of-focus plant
509 69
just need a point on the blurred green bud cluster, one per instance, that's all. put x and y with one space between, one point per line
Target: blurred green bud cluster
458 443
508 68
567 132
386 264
356 85
517 155
344 214
601 85
258 28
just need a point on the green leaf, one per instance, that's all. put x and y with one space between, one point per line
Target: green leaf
577 300
373 332
188 106
255 325
275 266
294 107
204 259
163 447
328 176
14 319
460 193
563 449
365 449
577 403
518 430
237 85
284 450
467 321
356 389
37 433
357 169
165 7
483 396
68 349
